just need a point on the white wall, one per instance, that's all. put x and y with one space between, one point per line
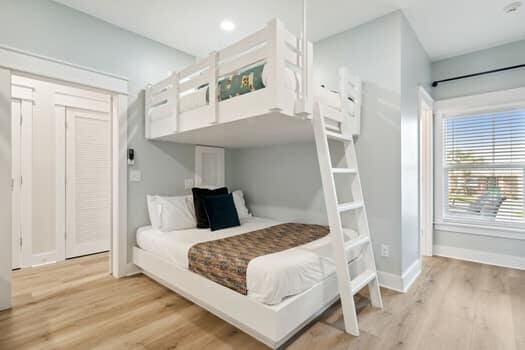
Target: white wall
497 57
47 28
284 181
5 189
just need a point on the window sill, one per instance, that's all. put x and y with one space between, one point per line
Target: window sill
482 230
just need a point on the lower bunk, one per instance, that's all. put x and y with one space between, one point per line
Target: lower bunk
285 290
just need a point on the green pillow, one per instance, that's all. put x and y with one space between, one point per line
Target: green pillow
246 81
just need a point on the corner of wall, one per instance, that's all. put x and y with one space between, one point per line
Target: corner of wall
5 189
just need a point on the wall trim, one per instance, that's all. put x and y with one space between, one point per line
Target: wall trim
28 62
400 283
479 230
479 256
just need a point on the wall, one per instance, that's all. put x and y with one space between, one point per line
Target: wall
497 57
46 28
5 189
493 58
415 72
284 181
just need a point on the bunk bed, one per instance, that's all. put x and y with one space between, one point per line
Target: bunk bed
196 106
256 82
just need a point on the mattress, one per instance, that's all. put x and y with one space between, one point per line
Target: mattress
269 278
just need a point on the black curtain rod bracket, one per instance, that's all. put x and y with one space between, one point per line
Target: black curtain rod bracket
437 82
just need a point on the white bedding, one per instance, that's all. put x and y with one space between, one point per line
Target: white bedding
270 278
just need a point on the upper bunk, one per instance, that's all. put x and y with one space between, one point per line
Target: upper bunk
256 92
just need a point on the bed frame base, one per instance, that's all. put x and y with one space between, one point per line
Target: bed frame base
272 325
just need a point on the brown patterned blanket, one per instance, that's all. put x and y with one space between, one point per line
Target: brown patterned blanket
225 261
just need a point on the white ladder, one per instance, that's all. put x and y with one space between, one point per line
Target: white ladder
348 286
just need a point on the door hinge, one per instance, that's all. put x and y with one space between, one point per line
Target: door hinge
21 240
12 184
21 118
65 236
21 180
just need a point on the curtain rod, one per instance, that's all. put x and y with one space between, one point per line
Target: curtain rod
437 82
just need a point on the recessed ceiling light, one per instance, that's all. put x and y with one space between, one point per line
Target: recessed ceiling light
227 25
512 7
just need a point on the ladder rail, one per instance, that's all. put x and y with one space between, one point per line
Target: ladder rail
357 190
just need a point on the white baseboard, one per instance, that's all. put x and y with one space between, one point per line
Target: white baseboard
132 269
479 256
400 283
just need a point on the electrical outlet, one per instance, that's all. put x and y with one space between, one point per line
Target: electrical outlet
188 184
135 175
385 250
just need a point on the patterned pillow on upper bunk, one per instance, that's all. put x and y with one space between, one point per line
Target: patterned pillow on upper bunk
248 80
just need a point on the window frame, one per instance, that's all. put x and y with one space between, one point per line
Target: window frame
463 106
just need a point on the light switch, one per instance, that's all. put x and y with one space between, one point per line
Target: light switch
188 184
135 175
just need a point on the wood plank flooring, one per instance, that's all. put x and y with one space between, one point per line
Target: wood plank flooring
77 305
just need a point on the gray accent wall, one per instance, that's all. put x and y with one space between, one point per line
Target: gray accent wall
49 29
415 73
496 57
372 51
283 181
5 189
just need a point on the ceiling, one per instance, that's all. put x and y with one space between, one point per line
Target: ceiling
446 28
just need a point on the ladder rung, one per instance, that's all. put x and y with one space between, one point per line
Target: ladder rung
344 171
362 280
356 242
349 206
337 136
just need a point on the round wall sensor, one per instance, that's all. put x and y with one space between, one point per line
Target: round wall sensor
512 7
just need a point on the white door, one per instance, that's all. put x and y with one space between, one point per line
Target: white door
209 167
88 178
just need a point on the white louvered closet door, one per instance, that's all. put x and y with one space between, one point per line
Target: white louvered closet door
88 182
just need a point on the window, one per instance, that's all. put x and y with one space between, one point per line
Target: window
484 167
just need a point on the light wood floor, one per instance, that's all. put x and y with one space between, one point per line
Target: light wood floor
77 305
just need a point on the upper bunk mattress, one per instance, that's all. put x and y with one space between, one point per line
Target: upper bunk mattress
269 278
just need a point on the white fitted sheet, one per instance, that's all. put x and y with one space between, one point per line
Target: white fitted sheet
270 278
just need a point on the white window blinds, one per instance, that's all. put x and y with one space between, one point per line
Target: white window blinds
484 166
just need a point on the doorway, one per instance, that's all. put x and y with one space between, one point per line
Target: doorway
61 165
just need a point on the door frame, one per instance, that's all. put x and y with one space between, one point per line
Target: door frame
426 170
18 61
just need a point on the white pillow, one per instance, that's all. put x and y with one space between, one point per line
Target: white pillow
154 208
171 213
240 205
175 214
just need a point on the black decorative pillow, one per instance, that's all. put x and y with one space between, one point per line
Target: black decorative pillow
221 212
198 202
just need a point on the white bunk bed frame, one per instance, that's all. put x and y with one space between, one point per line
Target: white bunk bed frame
275 112
286 107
